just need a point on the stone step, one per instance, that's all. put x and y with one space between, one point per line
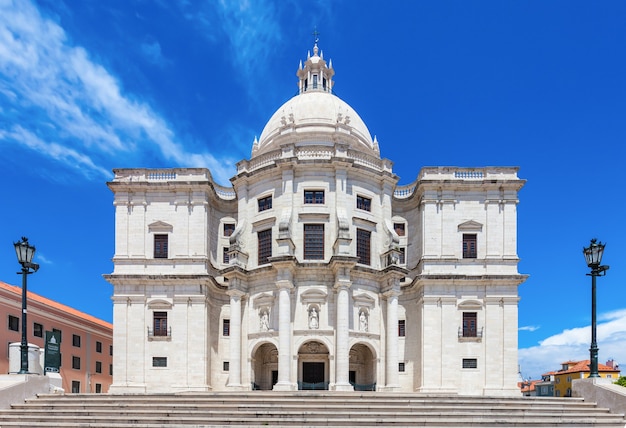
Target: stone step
303 409
314 421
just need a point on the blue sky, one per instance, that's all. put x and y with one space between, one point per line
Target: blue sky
88 86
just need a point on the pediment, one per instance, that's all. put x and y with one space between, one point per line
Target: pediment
314 295
470 304
471 226
160 226
264 300
364 300
159 303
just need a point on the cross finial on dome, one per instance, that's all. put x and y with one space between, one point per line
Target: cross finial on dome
315 40
315 35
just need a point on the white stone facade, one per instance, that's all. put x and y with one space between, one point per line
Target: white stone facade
316 270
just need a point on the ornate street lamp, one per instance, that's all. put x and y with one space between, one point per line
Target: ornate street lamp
593 256
25 253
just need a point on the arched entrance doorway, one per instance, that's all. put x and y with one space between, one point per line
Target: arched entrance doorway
313 366
265 367
362 368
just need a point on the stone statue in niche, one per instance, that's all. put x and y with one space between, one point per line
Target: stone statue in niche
363 321
265 322
314 321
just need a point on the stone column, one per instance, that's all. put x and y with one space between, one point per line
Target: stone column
284 336
234 366
392 377
342 354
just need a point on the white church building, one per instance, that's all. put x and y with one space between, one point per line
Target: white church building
316 270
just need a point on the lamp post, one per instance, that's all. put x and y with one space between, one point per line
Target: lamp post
25 253
593 256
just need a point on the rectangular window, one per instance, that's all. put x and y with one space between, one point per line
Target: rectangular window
160 246
265 246
313 196
111 350
110 369
98 388
400 367
37 330
363 203
470 363
14 323
265 203
363 246
76 363
469 245
399 228
98 367
229 228
226 328
401 328
225 258
226 366
314 242
402 255
315 81
99 347
160 323
76 340
469 324
159 361
75 387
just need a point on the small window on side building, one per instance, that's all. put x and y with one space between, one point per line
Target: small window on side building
76 341
226 327
14 323
37 330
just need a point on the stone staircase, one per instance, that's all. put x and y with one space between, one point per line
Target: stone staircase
303 409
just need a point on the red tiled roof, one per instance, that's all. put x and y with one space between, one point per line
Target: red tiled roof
583 366
58 306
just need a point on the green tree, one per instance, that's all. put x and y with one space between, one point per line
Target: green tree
621 381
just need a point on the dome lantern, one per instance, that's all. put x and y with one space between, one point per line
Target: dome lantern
316 75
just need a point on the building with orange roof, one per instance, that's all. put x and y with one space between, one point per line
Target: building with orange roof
571 370
86 341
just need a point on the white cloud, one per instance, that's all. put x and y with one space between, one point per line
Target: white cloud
58 93
573 344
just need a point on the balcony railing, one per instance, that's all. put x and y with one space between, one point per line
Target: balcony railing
159 334
470 333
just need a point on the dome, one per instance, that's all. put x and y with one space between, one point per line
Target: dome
315 117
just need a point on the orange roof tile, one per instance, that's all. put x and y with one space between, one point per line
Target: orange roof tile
56 305
583 366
